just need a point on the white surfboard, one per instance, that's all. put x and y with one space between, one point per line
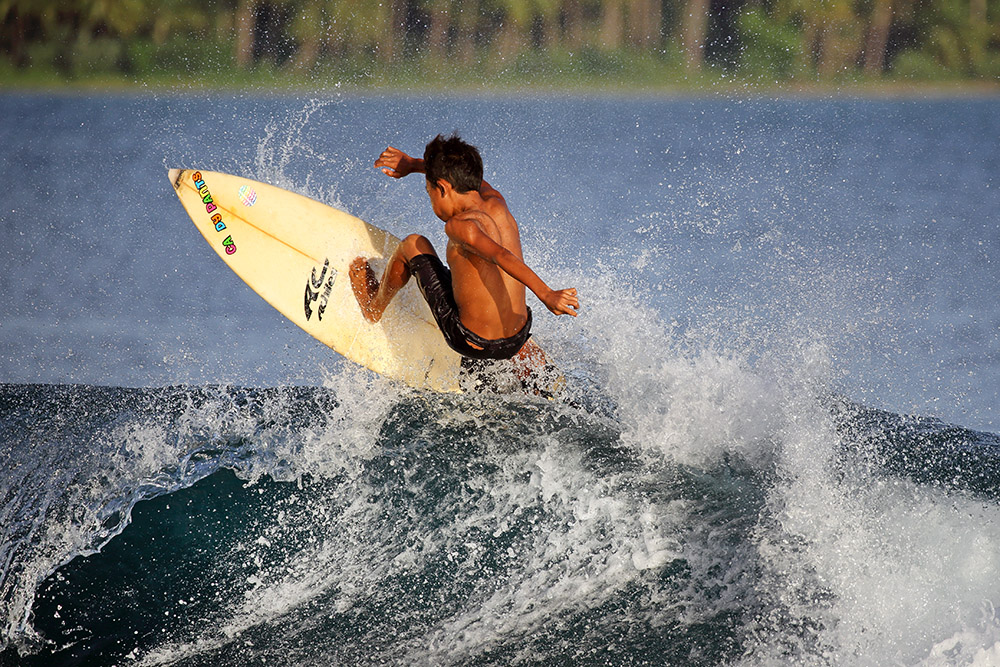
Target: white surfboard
295 253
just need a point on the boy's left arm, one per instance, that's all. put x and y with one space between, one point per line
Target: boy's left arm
469 235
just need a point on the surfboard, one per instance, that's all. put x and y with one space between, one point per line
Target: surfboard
295 252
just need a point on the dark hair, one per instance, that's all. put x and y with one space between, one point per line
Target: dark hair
455 161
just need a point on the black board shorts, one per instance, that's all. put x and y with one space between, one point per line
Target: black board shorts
434 279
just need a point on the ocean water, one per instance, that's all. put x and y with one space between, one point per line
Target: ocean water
779 442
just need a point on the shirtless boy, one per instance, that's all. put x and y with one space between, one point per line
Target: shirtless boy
479 304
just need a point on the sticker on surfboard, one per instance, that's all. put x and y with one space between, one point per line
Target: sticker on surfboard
248 195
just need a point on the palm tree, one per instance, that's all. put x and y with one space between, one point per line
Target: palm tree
245 24
465 18
612 34
514 28
694 30
962 41
122 18
878 37
309 26
572 12
439 15
644 23
839 36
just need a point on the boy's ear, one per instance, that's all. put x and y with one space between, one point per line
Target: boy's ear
443 187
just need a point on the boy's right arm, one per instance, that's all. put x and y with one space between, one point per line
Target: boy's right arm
396 163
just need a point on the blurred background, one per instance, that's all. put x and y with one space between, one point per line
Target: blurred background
469 44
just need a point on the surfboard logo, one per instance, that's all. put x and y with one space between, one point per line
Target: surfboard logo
318 288
248 195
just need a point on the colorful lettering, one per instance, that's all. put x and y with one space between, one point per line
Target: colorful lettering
210 207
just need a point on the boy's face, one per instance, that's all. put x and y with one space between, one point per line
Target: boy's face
438 200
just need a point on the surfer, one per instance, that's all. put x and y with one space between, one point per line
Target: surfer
478 300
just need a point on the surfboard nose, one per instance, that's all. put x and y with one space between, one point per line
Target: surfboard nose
174 176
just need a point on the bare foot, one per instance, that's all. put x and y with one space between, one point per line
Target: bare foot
536 373
365 287
529 359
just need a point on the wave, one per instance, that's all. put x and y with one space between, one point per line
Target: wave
685 506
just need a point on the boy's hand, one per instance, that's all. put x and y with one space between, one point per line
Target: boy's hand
562 302
396 163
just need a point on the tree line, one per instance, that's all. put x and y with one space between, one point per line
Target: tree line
768 39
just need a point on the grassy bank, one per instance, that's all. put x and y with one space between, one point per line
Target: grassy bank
595 73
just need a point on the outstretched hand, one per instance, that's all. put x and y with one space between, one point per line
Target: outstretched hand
395 163
562 302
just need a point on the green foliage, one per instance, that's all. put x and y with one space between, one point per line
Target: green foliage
479 42
597 62
179 55
76 54
94 55
919 66
771 47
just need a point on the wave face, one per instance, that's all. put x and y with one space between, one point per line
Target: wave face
692 511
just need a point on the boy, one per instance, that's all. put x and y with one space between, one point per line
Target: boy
479 304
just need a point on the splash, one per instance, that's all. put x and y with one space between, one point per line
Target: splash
288 145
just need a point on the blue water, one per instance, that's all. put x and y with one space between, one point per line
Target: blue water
781 445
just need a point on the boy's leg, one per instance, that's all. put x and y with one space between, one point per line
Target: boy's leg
373 295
